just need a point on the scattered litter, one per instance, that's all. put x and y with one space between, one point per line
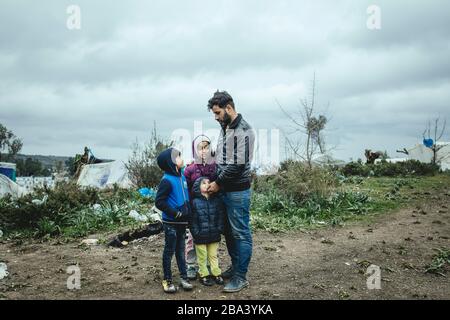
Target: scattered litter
155 214
149 230
147 192
3 270
327 241
39 202
155 217
348 263
90 242
124 243
97 206
138 217
1 233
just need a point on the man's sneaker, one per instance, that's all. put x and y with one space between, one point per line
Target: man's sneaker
186 285
218 280
168 286
228 274
206 281
236 284
192 273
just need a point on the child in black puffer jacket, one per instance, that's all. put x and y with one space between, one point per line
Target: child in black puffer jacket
208 214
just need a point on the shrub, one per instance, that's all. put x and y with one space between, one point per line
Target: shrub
387 169
68 210
142 166
298 182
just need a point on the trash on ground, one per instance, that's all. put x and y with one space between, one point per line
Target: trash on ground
147 231
147 192
138 217
90 242
3 270
40 202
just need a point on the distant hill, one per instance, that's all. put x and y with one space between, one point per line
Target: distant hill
47 161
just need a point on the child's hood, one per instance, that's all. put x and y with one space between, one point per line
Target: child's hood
196 188
195 143
166 163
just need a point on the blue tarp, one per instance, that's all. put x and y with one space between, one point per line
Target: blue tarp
147 192
428 143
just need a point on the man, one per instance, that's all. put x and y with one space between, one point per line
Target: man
234 155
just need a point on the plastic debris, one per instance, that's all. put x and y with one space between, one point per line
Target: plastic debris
428 143
96 206
3 270
155 217
155 214
90 242
39 202
138 217
147 192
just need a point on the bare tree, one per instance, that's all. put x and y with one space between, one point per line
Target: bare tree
435 133
142 166
306 122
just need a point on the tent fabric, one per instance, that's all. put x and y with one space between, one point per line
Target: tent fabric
7 186
391 160
8 169
423 154
104 175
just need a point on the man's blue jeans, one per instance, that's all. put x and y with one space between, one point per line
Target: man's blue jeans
238 233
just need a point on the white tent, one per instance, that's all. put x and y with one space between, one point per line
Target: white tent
425 155
7 186
391 160
104 175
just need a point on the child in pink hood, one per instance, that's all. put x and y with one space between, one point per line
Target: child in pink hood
203 166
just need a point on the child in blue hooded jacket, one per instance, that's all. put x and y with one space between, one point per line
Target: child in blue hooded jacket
172 199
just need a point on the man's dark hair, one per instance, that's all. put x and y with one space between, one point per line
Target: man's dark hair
221 99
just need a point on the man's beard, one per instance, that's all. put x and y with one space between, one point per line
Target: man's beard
226 121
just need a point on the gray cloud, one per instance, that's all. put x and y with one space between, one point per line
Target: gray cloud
135 63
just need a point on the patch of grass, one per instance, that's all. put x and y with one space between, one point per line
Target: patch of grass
354 199
276 213
440 260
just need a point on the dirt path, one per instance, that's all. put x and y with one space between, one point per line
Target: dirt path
323 264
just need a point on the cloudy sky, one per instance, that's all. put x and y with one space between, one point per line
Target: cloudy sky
137 62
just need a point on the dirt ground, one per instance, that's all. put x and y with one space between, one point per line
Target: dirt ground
328 263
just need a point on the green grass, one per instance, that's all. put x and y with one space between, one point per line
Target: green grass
355 199
440 260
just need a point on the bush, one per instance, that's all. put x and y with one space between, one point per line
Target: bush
61 201
300 196
142 166
298 182
386 169
69 210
